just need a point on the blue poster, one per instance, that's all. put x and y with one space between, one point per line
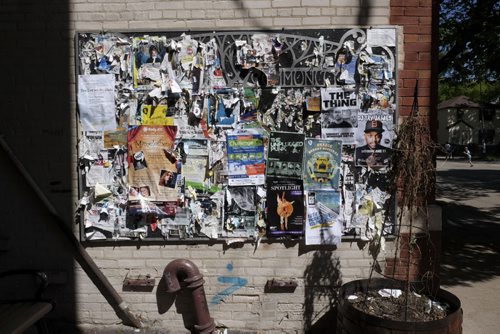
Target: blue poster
245 157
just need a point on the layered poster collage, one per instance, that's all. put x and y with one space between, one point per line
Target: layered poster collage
236 135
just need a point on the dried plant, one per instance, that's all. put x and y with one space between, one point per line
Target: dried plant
412 181
412 169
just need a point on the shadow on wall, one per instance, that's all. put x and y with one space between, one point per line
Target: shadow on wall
36 123
364 12
362 19
322 280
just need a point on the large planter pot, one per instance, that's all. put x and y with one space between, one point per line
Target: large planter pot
350 320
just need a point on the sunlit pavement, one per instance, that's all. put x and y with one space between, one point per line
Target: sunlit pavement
470 264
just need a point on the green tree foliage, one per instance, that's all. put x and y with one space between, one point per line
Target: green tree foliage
481 91
469 41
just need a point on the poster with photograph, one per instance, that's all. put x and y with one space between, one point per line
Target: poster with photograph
245 157
374 139
323 226
322 163
240 212
285 155
285 204
339 114
345 64
377 99
148 57
148 162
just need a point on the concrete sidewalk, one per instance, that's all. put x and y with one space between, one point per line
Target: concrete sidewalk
470 263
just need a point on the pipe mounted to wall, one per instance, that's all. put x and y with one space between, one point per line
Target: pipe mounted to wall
182 273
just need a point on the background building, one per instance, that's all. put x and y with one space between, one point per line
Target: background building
464 122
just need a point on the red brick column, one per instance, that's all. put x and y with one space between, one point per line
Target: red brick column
423 260
419 20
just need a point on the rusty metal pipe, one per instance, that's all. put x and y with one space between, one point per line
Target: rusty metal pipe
182 273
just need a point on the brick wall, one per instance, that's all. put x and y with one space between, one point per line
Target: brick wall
317 272
38 121
416 19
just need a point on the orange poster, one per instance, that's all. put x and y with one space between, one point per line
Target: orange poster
148 163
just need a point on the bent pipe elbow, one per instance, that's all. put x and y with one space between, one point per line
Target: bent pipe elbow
182 271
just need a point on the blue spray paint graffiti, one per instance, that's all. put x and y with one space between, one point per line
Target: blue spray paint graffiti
236 284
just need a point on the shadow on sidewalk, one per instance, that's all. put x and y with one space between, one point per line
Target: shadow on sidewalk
470 248
463 184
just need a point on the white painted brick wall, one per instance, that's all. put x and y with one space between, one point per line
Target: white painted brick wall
247 308
286 3
140 14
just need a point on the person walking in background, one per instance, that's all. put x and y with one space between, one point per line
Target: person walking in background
468 155
449 150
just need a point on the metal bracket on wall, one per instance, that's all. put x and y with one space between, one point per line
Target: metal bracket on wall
280 286
145 284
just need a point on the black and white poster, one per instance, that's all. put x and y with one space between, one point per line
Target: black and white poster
285 155
339 114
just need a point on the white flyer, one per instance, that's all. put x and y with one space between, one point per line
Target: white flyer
96 102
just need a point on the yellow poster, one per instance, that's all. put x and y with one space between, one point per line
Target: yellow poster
155 115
